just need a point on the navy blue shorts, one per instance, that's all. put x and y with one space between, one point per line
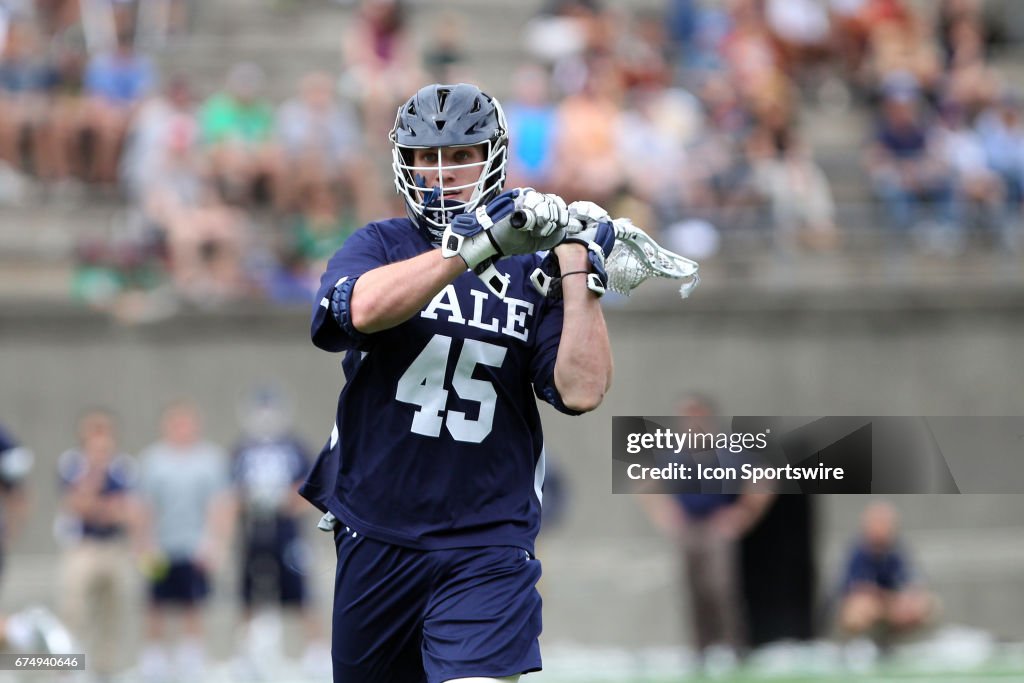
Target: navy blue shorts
414 616
184 583
274 573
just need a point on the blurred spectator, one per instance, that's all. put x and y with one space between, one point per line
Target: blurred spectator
801 29
879 587
749 49
952 15
849 35
15 464
123 275
206 242
643 51
164 132
321 228
905 165
289 278
586 148
796 189
655 131
559 36
56 16
236 129
681 17
380 64
980 191
65 142
708 526
969 79
716 184
445 57
268 464
1001 130
105 22
184 482
204 238
532 122
701 53
903 50
98 510
321 142
26 81
115 85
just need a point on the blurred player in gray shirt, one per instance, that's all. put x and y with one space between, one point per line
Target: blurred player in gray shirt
184 482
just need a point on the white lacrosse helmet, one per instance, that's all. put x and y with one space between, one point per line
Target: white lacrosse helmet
459 115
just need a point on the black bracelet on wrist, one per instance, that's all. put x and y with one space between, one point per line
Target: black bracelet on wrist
575 272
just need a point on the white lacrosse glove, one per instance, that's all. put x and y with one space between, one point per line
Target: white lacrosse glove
583 215
591 226
520 221
515 222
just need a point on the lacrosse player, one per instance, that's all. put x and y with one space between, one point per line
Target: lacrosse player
432 477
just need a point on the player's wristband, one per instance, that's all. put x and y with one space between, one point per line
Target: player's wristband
594 283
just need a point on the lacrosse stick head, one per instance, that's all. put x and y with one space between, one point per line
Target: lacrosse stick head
636 258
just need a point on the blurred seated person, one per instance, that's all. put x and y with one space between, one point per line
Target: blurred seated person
587 164
236 128
898 48
795 187
380 62
905 165
207 243
26 82
1001 132
980 191
320 141
532 123
115 85
879 588
321 227
162 141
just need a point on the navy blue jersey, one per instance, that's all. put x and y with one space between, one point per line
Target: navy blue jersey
887 569
119 478
437 441
7 442
266 474
7 448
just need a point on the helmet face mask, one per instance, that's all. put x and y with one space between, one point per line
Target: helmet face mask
440 117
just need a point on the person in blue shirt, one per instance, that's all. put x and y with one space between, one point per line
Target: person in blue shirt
432 477
880 590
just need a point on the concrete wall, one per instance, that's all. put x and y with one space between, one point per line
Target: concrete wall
608 578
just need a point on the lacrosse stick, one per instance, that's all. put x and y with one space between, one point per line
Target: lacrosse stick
636 257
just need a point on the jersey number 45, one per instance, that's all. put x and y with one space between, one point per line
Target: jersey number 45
423 385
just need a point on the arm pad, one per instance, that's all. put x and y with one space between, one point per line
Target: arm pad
341 296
